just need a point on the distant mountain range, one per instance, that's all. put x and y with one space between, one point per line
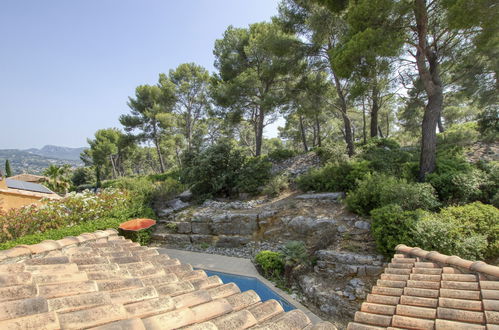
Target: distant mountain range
35 161
57 152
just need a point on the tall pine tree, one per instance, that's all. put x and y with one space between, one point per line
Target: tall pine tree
8 170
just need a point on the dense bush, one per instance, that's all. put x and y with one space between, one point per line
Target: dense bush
146 190
378 190
386 156
55 234
253 175
334 177
391 225
475 218
295 253
83 176
276 185
488 124
166 190
457 181
72 210
470 231
458 135
333 153
271 263
433 234
224 169
278 155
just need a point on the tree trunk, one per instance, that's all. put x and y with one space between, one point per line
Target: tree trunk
188 130
428 69
374 111
160 156
318 125
113 166
380 132
364 124
302 134
259 132
346 120
348 135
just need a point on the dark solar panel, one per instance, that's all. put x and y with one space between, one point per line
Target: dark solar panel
22 185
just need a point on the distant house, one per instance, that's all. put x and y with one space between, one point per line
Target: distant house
16 193
29 178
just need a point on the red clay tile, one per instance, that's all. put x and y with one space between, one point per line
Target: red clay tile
454 325
460 285
373 319
377 308
381 299
417 312
470 305
419 301
412 323
460 315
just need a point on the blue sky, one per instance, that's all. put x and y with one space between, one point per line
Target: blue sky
68 67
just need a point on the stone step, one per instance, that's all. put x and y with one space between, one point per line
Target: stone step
188 239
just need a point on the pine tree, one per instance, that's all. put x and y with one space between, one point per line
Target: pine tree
8 170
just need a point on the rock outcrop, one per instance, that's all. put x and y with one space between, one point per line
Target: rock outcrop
340 242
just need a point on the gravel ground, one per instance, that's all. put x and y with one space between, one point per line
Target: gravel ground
248 251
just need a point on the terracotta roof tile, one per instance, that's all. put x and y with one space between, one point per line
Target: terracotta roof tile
102 281
429 290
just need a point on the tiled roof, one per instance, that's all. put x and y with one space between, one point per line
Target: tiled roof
104 281
429 290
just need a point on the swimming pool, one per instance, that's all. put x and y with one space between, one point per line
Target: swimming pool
246 283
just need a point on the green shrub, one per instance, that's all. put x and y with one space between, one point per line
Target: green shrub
386 156
378 190
391 225
490 188
334 177
143 237
166 190
470 231
224 170
295 253
434 234
488 124
333 153
55 234
74 209
253 175
276 185
456 181
271 263
278 155
459 135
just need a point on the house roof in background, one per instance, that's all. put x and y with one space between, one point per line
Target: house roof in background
103 280
28 177
28 186
428 290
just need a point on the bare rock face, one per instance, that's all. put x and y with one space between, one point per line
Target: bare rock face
481 151
171 207
340 243
297 165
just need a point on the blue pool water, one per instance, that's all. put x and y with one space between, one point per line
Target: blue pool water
246 283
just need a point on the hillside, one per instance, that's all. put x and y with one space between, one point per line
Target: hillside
57 152
36 160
